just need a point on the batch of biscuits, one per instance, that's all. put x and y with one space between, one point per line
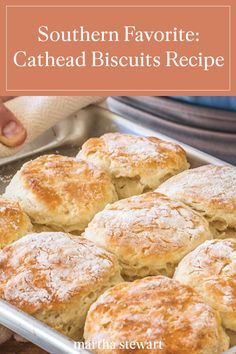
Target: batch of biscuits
124 243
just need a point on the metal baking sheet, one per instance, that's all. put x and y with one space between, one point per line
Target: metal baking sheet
66 138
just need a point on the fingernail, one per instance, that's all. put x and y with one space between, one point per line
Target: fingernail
12 129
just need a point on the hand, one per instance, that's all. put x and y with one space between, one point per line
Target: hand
12 132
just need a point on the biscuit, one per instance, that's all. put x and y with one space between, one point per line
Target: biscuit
136 164
210 190
211 270
14 223
157 313
55 277
149 233
60 192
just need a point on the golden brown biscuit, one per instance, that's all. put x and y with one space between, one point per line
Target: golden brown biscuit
56 277
211 270
149 233
60 192
136 164
157 313
210 190
14 223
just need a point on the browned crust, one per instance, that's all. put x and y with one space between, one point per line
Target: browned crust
53 179
135 152
152 309
47 270
14 223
